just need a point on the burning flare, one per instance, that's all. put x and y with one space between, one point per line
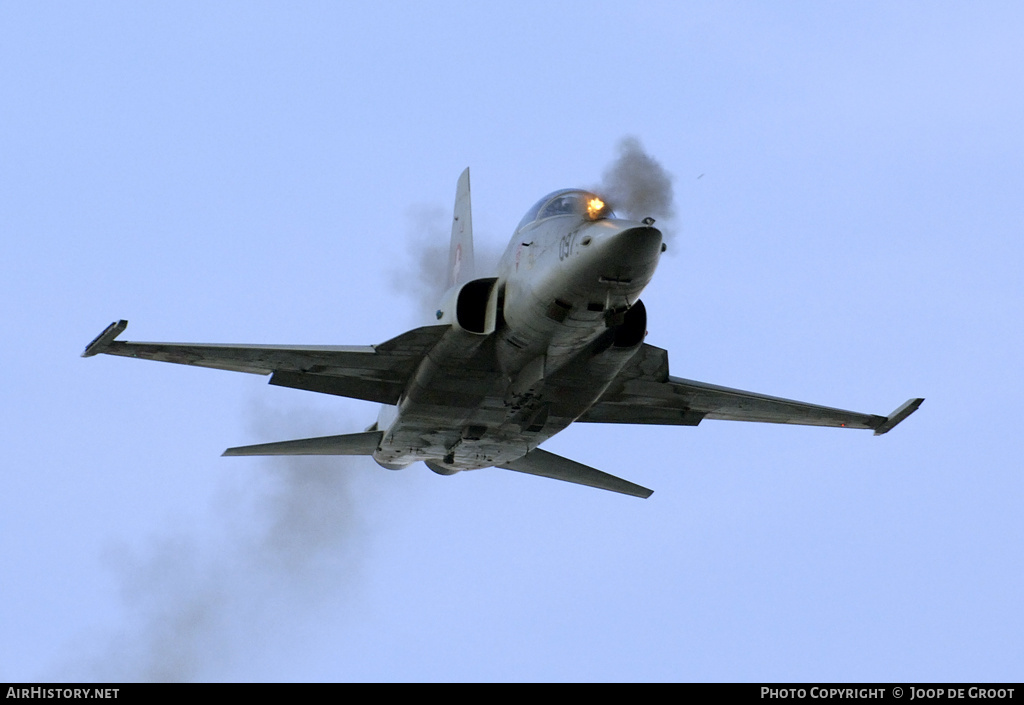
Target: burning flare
594 208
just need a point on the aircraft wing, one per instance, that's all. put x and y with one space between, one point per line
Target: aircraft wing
645 393
377 373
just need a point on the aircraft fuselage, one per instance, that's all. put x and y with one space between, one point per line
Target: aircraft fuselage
566 291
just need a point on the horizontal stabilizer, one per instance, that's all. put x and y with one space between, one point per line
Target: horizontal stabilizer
348 444
895 417
540 462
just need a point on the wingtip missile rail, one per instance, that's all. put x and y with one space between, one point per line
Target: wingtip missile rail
104 339
909 407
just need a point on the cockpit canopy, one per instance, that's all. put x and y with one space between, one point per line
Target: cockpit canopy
569 201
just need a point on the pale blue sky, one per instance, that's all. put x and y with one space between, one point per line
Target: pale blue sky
250 172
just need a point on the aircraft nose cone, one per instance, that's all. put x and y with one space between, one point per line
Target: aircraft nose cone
618 255
626 250
636 245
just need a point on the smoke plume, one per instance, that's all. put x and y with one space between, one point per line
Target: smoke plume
637 186
423 276
284 546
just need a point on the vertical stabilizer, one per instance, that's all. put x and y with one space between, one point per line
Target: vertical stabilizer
460 254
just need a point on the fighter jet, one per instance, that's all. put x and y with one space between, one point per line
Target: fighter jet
555 336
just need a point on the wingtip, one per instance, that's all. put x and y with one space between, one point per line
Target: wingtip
905 410
102 341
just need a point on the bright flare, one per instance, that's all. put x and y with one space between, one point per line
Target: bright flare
594 207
